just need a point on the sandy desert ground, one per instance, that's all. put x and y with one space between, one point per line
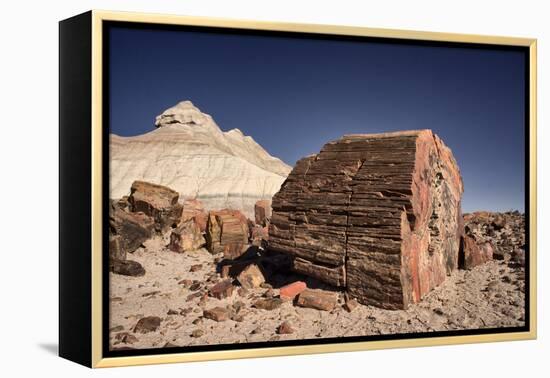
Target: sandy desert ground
175 289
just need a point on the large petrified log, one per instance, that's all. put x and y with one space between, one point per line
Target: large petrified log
378 214
157 201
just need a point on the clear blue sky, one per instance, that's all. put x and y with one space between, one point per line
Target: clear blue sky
293 95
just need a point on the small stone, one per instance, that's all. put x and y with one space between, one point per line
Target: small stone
192 296
186 311
222 289
218 314
288 292
151 293
195 268
116 329
147 324
197 321
350 305
269 293
127 268
197 333
172 312
268 304
285 328
439 311
251 277
237 318
126 338
318 299
265 285
195 286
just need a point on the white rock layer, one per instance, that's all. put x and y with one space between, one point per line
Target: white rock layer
190 154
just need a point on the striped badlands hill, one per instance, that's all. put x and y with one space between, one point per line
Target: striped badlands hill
190 154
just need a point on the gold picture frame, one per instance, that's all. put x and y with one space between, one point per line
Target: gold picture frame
94 22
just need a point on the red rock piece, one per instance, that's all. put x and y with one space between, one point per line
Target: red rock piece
378 214
218 314
222 289
251 277
225 227
288 292
186 237
156 201
317 299
475 254
262 212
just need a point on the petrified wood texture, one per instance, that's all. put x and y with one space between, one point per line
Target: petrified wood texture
225 227
378 214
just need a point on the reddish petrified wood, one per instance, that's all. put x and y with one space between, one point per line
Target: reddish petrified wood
378 214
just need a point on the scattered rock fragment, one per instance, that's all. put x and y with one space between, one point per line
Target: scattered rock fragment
186 237
195 268
147 324
127 268
126 338
350 305
290 291
222 289
197 333
268 304
218 314
251 277
317 299
285 328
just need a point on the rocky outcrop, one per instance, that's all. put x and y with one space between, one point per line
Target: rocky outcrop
377 214
226 228
504 231
189 153
157 201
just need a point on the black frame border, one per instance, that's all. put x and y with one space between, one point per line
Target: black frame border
270 344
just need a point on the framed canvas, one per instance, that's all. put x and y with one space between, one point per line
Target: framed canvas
234 189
